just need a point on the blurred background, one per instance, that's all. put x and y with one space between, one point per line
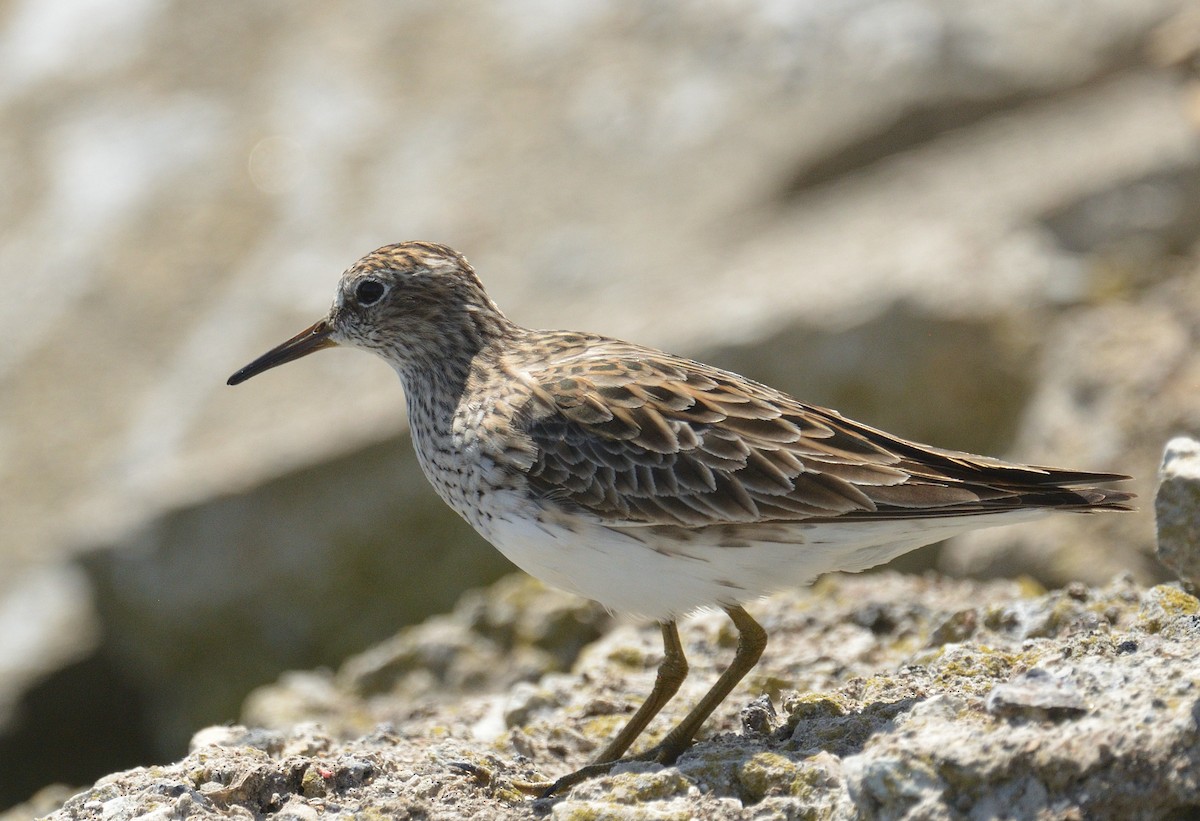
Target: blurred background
970 223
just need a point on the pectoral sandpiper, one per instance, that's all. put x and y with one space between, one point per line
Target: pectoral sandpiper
651 483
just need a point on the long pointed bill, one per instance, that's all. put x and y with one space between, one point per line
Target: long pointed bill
302 344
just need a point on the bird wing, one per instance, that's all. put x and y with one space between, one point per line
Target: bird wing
634 436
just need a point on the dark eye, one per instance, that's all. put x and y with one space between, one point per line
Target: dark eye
369 291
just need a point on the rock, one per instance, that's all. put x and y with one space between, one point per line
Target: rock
1177 509
42 803
516 633
1036 695
1091 718
759 716
46 622
885 207
1163 606
1081 415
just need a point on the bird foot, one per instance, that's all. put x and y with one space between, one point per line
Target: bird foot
660 753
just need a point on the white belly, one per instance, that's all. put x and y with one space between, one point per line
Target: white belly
629 571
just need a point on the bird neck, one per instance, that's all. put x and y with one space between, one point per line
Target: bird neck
436 376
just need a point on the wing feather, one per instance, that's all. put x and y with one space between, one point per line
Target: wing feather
636 437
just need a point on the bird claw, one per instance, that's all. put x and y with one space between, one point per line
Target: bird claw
658 754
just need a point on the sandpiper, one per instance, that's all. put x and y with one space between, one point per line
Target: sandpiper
653 484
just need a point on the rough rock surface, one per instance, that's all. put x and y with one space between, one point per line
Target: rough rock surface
899 208
1177 509
896 697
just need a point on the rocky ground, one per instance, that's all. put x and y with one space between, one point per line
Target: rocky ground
880 696
973 224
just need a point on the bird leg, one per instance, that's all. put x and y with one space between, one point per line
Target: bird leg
672 670
752 640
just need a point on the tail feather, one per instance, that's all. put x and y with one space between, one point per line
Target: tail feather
1069 490
991 490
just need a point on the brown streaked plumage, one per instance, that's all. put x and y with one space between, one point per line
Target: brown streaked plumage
648 482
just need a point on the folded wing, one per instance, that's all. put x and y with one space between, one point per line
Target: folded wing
635 437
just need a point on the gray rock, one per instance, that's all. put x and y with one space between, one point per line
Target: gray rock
1036 695
991 726
46 622
1079 413
869 204
1177 509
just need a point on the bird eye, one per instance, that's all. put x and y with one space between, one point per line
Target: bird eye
369 291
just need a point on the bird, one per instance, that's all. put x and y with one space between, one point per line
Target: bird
653 484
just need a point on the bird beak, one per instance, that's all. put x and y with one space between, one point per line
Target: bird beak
302 344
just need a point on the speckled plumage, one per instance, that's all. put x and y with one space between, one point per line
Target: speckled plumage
649 482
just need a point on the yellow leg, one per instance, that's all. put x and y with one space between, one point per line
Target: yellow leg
752 640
